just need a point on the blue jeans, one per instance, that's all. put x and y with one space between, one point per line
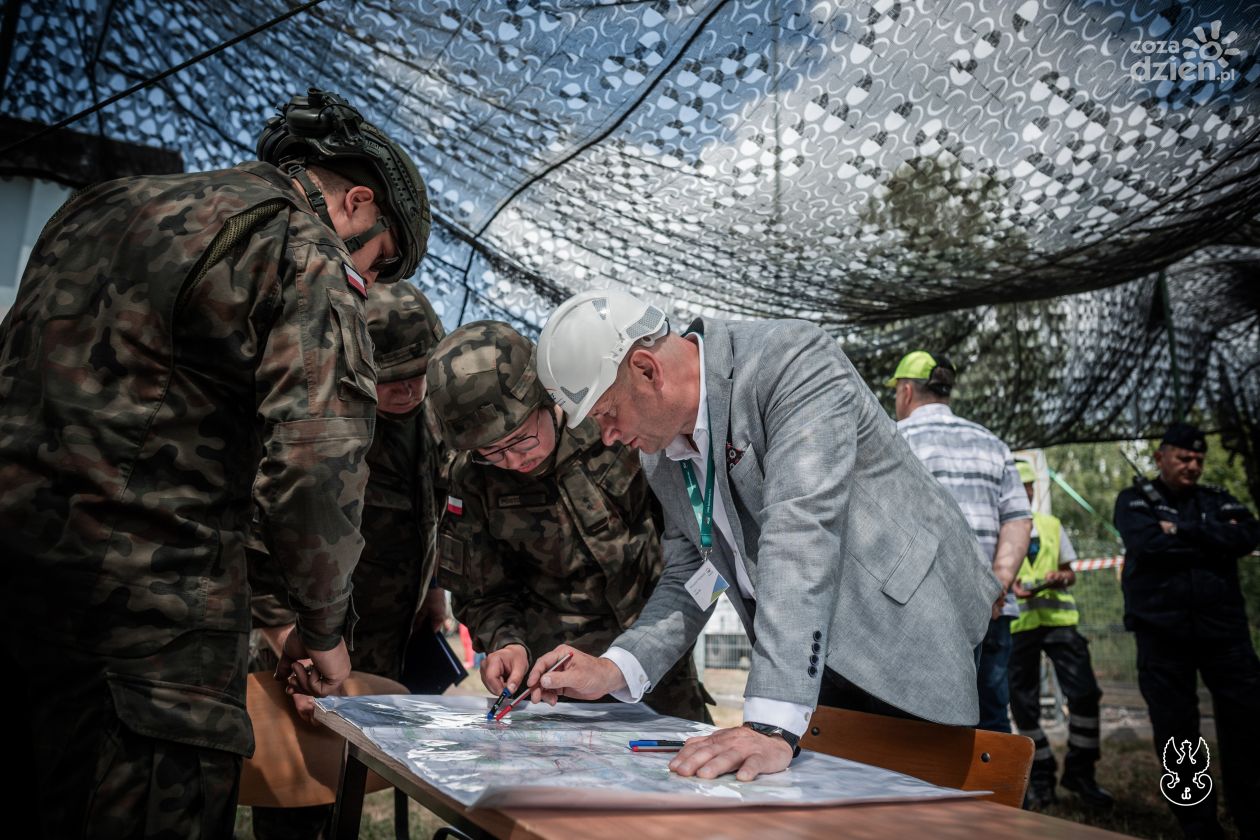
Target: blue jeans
991 658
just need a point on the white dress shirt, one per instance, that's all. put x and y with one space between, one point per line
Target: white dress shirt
790 716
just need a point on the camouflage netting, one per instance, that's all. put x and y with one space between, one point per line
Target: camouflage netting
1003 181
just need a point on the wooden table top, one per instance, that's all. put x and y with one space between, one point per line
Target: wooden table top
952 818
966 819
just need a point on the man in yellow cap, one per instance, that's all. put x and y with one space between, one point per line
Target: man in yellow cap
979 472
1047 621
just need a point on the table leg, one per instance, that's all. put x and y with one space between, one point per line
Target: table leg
350 788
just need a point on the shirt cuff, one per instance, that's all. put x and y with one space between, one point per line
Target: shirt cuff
792 717
637 682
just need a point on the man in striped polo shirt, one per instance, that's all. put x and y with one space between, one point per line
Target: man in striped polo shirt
978 471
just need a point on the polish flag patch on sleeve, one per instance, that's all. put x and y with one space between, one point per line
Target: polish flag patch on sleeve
355 280
454 506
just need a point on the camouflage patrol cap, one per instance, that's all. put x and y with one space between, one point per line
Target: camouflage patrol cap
482 384
403 327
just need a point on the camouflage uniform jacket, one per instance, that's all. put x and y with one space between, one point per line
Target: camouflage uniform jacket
395 568
569 556
394 572
148 374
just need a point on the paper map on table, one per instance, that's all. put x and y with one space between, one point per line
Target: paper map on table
575 756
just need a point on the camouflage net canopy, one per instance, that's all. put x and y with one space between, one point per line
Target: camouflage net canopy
1004 181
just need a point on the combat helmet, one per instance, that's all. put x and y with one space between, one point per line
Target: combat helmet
322 128
404 330
482 384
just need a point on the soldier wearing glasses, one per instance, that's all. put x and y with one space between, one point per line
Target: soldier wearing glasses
549 537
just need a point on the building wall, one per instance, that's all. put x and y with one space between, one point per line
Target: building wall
28 203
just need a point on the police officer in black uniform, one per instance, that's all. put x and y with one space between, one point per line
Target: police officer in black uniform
1184 605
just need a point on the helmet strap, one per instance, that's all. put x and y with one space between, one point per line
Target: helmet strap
356 242
295 170
319 204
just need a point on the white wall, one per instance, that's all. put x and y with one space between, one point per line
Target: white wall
25 205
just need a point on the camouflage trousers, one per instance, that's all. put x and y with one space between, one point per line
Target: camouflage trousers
91 773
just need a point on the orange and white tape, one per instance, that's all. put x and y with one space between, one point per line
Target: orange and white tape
1093 564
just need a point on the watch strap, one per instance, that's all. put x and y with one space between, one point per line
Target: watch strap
793 741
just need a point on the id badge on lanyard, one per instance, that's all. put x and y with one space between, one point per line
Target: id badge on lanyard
707 584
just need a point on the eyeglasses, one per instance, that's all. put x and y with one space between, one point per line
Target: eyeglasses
497 456
387 267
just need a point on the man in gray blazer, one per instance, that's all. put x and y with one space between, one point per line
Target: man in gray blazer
854 572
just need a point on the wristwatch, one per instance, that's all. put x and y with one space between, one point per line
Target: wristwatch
793 741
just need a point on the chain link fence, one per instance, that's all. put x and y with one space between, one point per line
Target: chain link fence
1101 605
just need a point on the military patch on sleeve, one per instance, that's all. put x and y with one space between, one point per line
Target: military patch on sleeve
355 281
450 553
454 506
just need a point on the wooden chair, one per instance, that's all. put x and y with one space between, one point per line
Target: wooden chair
297 764
952 756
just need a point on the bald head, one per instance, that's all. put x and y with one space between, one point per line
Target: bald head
655 396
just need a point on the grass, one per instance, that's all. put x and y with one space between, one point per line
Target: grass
1130 770
377 822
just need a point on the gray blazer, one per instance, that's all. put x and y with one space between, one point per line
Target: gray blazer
849 541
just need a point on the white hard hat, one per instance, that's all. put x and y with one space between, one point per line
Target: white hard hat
585 340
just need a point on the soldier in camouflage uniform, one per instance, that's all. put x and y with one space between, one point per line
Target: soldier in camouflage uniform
173 338
399 523
549 536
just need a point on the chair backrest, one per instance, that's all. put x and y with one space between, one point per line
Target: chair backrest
952 756
297 764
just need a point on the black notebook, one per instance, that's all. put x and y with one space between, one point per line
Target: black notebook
430 666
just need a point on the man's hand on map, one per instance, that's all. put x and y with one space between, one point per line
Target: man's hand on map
740 750
505 667
583 677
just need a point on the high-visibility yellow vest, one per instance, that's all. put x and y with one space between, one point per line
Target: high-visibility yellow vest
1049 607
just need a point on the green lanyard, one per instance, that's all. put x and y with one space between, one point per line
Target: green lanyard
703 508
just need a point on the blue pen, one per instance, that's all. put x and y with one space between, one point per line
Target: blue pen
497 703
656 746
